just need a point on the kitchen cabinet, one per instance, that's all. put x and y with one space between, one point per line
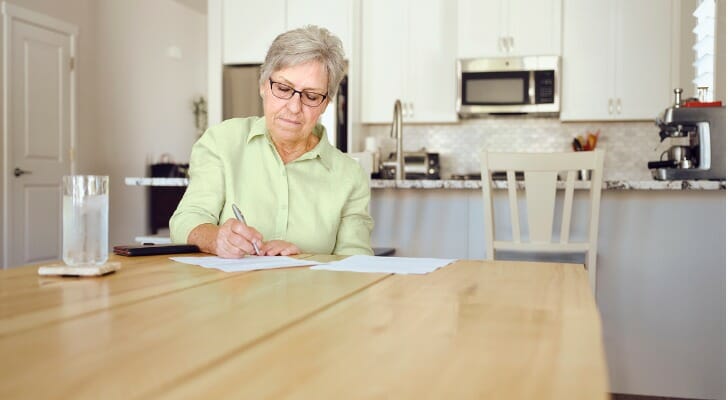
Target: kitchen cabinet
617 59
249 27
334 15
408 53
500 28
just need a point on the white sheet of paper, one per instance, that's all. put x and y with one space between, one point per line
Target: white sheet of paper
391 265
249 263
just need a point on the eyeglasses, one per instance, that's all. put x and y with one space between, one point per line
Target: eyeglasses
285 92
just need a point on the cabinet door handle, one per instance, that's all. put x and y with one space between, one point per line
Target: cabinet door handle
611 106
501 44
511 44
619 105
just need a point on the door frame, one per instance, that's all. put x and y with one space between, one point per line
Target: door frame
12 12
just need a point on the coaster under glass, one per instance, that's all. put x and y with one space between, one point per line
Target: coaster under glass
79 270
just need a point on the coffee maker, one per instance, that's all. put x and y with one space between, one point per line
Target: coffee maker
696 130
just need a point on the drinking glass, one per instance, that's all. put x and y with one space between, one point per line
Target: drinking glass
85 220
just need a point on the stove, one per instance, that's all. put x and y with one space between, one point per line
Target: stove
465 177
497 176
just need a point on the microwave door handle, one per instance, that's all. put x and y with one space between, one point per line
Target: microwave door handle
531 88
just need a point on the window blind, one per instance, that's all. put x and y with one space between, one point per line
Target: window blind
704 47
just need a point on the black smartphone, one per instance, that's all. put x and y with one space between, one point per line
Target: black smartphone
148 249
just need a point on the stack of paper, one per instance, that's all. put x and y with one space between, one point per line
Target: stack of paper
387 265
249 263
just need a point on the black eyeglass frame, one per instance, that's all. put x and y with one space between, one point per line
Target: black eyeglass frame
293 93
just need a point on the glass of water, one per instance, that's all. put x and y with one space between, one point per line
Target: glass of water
85 220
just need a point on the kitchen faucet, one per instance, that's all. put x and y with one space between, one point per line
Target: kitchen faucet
396 133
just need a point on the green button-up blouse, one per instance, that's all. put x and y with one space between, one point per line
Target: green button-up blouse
319 202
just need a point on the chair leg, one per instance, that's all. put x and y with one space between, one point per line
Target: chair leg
591 269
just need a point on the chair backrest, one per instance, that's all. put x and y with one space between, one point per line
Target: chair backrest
541 171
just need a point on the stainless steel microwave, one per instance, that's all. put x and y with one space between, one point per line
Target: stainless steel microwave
508 85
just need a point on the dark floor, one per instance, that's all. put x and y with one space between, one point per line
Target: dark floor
617 396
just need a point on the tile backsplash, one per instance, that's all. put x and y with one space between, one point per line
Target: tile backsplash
628 145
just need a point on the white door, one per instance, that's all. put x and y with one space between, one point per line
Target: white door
39 116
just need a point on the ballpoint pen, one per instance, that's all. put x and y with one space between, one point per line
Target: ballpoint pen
239 217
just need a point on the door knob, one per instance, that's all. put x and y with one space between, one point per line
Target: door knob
19 172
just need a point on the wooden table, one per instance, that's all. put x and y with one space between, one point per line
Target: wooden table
159 329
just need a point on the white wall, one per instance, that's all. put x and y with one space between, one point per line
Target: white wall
145 96
134 102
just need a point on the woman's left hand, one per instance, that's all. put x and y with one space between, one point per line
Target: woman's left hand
279 248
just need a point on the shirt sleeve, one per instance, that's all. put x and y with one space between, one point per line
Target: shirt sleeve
355 230
204 198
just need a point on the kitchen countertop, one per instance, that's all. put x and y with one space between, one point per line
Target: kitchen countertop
606 185
476 184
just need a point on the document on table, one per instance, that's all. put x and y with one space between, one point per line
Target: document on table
390 265
249 263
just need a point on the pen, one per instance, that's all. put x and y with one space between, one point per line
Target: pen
239 217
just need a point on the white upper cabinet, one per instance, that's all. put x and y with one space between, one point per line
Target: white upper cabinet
408 53
334 15
617 59
249 26
502 28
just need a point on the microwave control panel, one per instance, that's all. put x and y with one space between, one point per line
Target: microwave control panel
544 81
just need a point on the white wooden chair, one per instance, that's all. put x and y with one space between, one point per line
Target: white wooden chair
540 172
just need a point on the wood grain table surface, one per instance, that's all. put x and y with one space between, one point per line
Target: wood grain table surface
160 329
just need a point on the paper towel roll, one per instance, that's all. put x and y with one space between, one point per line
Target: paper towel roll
365 159
371 144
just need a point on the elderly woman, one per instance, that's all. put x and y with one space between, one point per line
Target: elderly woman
296 191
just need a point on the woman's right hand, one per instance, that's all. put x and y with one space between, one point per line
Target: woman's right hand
235 239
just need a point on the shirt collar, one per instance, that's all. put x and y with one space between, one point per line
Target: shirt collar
323 150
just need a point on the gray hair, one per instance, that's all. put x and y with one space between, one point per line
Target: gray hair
302 45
